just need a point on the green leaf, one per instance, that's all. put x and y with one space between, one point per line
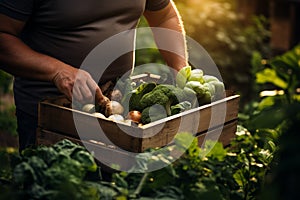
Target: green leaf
47 154
239 177
180 107
256 61
270 76
214 149
24 174
196 75
269 118
289 60
266 102
86 160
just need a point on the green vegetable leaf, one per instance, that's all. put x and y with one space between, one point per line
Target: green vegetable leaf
180 107
210 78
86 160
24 173
196 75
183 75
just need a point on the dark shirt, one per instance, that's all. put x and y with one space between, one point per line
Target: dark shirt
68 30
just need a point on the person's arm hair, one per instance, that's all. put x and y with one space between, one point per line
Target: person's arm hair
20 60
173 41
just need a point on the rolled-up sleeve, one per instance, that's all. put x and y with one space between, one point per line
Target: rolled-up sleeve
17 9
154 5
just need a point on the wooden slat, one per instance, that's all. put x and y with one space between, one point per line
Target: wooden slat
223 134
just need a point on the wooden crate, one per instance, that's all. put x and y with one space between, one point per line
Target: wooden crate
217 120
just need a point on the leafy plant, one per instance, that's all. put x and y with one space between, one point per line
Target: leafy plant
214 172
279 111
67 171
7 112
8 120
5 82
280 100
58 172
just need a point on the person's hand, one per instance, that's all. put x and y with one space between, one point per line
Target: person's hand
78 84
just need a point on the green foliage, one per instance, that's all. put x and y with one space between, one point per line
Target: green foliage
5 82
221 30
136 95
57 172
213 172
8 121
7 111
281 75
180 107
279 111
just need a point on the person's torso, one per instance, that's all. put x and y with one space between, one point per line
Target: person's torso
70 29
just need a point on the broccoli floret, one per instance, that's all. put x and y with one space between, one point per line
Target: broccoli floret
137 94
153 113
165 95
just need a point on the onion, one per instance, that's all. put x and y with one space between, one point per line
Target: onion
116 108
99 115
90 108
116 95
135 116
116 117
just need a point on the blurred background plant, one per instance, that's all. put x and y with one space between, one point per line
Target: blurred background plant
5 82
277 111
8 122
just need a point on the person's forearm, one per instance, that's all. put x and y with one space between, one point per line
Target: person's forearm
176 54
171 39
20 60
